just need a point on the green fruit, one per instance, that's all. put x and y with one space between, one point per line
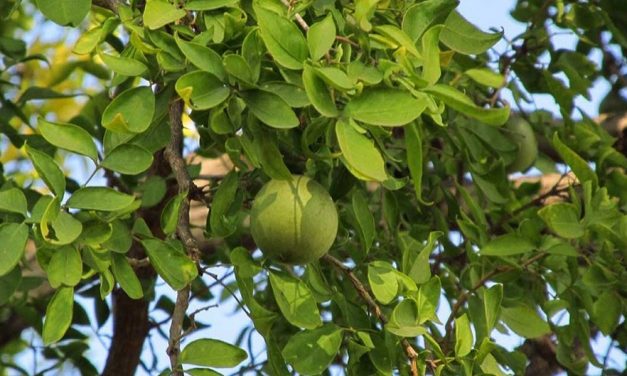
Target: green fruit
521 133
294 221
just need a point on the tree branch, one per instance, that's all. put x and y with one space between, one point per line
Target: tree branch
365 295
179 169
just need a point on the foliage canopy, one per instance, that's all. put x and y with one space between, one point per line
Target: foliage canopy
395 107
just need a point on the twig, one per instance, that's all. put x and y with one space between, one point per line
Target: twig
179 169
461 299
299 18
346 40
173 155
365 295
174 343
228 289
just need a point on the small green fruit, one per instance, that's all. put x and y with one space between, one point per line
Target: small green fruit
294 221
521 133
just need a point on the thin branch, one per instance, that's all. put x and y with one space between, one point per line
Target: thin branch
461 299
299 18
174 344
179 169
230 291
178 166
365 295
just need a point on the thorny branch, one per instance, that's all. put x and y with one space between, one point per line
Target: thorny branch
365 295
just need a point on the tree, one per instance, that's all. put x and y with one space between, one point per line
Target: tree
394 107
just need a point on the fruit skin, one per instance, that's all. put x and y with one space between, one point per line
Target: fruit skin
520 132
294 221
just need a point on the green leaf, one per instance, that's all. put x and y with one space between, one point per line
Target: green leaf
464 37
427 299
364 219
431 71
294 96
176 268
460 102
282 37
606 311
128 159
267 151
320 37
14 237
9 283
335 77
270 109
65 229
48 170
419 17
360 155
405 319
383 281
201 90
525 321
318 93
295 301
58 315
59 227
579 166
311 352
13 200
95 233
123 65
386 107
131 111
415 261
556 246
507 245
486 77
126 277
492 306
64 12
463 336
563 219
210 352
203 57
202 372
170 213
88 41
238 68
69 137
159 13
65 267
99 198
398 37
121 239
415 162
219 220
208 4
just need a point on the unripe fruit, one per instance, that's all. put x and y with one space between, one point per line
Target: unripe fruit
294 221
521 133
